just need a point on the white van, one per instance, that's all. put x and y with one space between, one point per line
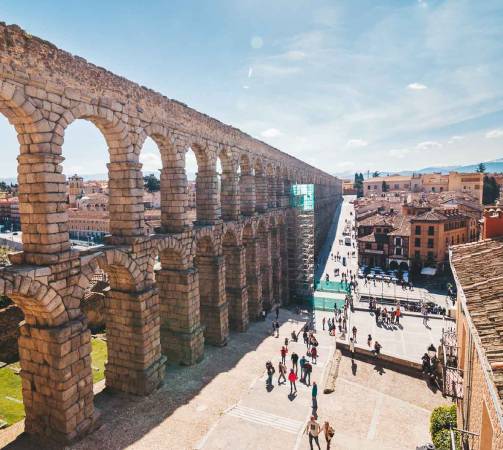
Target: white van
347 241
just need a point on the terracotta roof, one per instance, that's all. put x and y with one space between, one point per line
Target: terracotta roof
478 268
402 227
389 178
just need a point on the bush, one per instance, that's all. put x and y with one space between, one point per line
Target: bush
443 418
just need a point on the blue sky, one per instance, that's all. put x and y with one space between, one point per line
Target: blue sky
344 85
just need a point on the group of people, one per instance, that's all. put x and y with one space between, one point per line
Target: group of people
292 375
385 317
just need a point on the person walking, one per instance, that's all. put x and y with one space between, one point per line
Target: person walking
302 363
283 352
369 340
314 395
314 354
286 343
282 373
295 359
277 329
354 333
277 313
352 348
270 372
329 432
308 368
323 322
313 430
292 377
305 337
397 315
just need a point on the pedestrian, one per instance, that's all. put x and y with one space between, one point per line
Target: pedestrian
314 354
377 349
314 395
283 352
294 336
344 324
277 329
292 377
295 359
308 368
329 432
313 430
369 340
397 316
270 372
282 372
323 322
286 343
378 315
304 336
277 313
354 332
302 363
352 348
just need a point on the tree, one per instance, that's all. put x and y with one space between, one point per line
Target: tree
481 168
376 174
491 190
385 186
151 183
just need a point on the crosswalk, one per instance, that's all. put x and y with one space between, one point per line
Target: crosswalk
266 419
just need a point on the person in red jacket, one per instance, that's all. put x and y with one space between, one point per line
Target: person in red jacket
292 378
314 355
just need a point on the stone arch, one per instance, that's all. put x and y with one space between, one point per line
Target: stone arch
247 193
229 185
41 304
125 181
52 345
253 273
261 186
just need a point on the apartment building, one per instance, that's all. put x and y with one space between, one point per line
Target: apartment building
477 269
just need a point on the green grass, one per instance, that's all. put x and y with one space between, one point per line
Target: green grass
12 411
98 358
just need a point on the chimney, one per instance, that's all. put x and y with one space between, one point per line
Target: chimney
492 223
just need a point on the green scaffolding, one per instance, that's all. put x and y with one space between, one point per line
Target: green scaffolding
302 197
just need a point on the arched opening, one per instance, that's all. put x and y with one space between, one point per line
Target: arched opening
275 265
228 185
214 311
246 186
150 158
235 282
10 221
261 187
264 239
283 251
253 274
393 265
404 267
271 187
182 338
85 167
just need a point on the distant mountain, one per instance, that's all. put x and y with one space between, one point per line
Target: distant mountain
494 166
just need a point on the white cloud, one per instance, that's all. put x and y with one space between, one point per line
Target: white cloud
454 139
271 133
495 134
250 72
151 161
295 55
246 86
398 152
423 3
417 86
429 145
354 143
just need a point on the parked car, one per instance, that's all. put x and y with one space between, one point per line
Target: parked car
361 273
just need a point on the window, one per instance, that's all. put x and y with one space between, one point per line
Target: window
397 186
430 256
431 230
398 241
375 187
417 254
457 239
368 187
398 251
417 242
430 243
418 229
368 245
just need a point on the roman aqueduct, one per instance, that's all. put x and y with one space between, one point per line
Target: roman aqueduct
216 274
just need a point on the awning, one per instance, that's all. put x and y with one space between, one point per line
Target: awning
428 271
